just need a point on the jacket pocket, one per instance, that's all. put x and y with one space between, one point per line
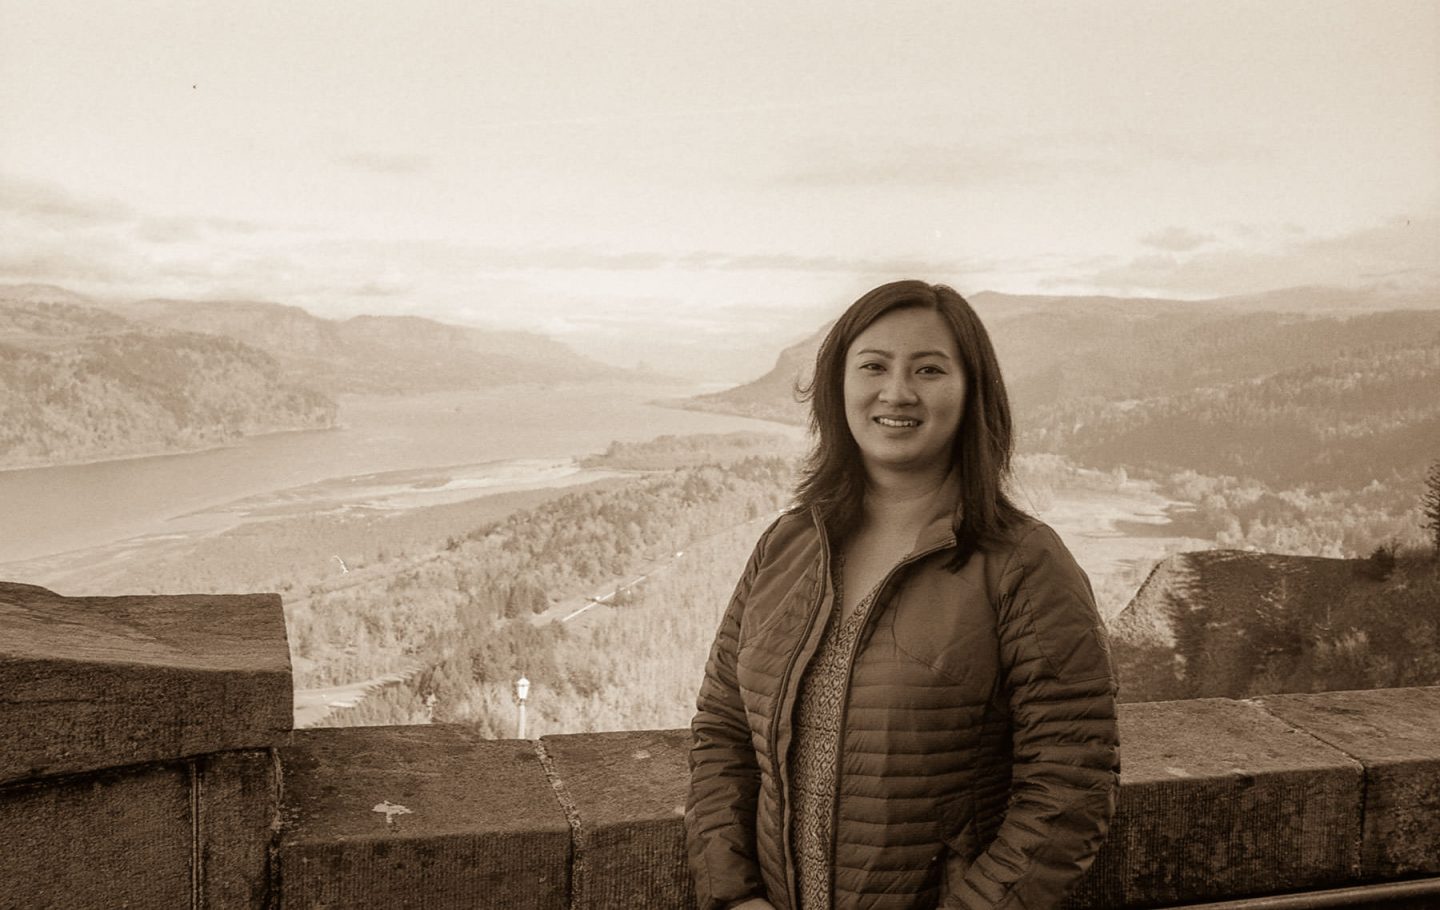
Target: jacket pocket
957 826
959 844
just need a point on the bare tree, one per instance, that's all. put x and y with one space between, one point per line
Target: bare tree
1430 505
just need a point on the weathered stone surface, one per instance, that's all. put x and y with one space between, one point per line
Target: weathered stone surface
1395 735
1220 799
236 809
627 793
428 817
98 841
99 682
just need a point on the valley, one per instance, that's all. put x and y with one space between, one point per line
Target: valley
432 544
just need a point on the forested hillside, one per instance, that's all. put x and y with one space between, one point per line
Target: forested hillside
490 604
1357 415
1226 623
465 597
83 381
79 384
385 354
1064 353
773 395
670 452
1140 350
1291 431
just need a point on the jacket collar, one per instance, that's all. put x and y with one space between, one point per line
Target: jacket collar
939 529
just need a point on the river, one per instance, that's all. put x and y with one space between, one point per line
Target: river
398 452
490 440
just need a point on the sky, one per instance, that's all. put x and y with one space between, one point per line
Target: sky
695 184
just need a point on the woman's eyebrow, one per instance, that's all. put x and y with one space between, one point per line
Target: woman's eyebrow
915 356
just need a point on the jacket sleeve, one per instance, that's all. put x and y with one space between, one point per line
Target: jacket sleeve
724 775
1065 777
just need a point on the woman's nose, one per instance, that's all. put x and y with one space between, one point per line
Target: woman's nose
897 390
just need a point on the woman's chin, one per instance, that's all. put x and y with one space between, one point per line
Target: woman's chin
904 461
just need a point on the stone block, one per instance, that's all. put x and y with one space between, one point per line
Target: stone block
100 682
98 841
1395 735
625 793
236 805
405 818
1219 800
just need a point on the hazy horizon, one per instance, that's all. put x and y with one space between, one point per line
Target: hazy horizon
651 181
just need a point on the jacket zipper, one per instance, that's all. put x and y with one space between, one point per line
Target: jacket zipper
845 697
782 766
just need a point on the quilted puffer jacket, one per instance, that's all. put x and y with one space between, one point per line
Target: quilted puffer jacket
979 765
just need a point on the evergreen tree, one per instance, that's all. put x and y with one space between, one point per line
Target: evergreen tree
1430 505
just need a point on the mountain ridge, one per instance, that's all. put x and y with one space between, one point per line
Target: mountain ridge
370 353
78 384
1235 624
1176 385
82 380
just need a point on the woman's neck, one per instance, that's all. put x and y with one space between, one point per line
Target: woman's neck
901 500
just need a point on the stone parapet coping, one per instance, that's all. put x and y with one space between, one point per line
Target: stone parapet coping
426 817
146 760
191 834
98 682
1395 736
1220 799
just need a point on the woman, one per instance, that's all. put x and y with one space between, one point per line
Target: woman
909 702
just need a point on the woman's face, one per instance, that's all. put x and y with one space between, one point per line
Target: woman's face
904 392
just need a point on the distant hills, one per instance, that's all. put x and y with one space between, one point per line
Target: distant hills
1220 386
385 354
1230 623
1302 383
1354 416
773 395
80 384
82 381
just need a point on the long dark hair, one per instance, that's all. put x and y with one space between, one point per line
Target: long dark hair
833 478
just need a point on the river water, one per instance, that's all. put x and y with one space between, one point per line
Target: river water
504 438
406 451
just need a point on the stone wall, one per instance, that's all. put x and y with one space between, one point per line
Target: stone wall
146 761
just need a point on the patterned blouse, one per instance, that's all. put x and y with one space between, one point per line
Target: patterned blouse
817 748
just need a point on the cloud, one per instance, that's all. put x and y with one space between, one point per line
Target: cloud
94 261
1399 252
186 229
382 289
96 244
1176 239
54 206
94 228
953 165
988 158
388 164
707 260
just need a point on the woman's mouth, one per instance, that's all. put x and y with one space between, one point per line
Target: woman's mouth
898 422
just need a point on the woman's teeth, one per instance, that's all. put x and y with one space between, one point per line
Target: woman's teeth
897 422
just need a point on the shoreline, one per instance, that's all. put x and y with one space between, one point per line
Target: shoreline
171 453
163 537
342 400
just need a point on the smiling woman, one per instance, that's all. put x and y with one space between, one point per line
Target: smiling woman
909 702
904 392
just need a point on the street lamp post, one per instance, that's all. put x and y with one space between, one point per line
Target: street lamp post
522 689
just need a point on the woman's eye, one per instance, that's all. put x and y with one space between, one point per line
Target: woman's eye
931 370
871 366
